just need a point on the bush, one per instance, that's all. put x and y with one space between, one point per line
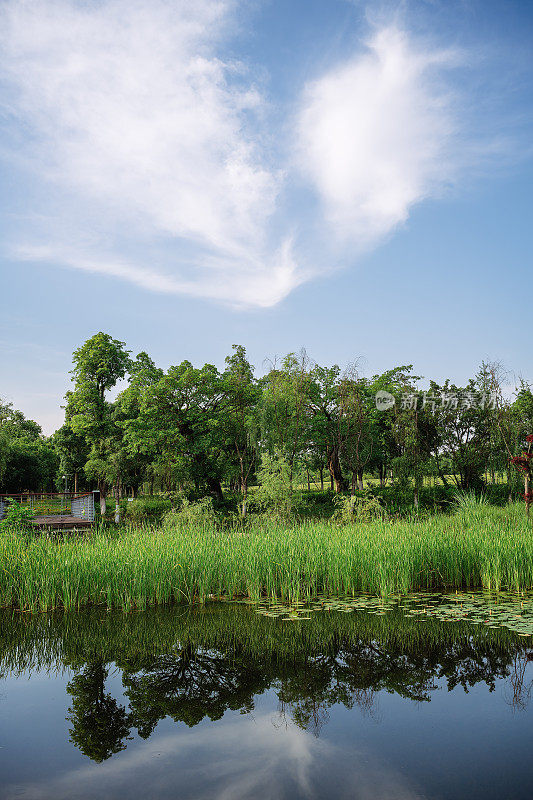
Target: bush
199 514
314 503
18 516
498 494
274 495
361 507
147 509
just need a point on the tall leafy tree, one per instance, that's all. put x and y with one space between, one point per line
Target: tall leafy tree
139 451
98 365
462 431
285 408
240 421
28 461
325 430
356 424
181 417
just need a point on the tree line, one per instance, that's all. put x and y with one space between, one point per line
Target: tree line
214 431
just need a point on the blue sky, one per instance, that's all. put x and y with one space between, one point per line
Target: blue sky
353 178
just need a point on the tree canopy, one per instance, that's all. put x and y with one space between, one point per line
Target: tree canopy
206 430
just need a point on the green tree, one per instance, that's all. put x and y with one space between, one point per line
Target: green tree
98 364
73 453
240 419
462 431
28 461
139 451
324 429
285 408
180 417
275 495
356 425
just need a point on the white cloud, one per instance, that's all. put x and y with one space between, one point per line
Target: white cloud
148 146
146 133
234 759
376 135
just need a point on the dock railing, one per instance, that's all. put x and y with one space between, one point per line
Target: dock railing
52 504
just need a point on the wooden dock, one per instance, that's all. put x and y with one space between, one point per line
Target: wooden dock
61 522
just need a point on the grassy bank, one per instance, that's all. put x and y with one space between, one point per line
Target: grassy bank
477 547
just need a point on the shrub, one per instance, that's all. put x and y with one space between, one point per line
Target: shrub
314 503
18 516
147 509
200 513
274 495
361 507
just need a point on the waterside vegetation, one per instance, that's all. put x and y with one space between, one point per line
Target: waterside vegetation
478 546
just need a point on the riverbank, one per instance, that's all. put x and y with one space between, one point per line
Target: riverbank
480 547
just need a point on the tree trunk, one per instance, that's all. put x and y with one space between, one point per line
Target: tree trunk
75 483
308 480
441 474
117 502
321 479
360 482
335 470
244 494
101 489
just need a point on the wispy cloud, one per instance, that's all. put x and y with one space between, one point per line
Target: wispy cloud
145 134
232 760
377 135
151 148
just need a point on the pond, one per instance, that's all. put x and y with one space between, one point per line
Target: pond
224 702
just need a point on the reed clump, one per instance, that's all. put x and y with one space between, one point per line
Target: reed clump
482 547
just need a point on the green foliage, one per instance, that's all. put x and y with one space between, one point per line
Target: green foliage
469 501
194 515
187 563
146 509
360 507
314 503
181 413
98 365
470 505
73 454
100 362
27 459
240 420
196 428
17 516
284 403
274 495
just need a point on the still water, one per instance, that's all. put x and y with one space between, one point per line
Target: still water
221 702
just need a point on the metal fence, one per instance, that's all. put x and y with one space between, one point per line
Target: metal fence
47 504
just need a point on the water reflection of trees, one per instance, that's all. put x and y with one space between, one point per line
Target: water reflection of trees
100 726
226 657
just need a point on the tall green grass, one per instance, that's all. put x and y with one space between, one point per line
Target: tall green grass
479 546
